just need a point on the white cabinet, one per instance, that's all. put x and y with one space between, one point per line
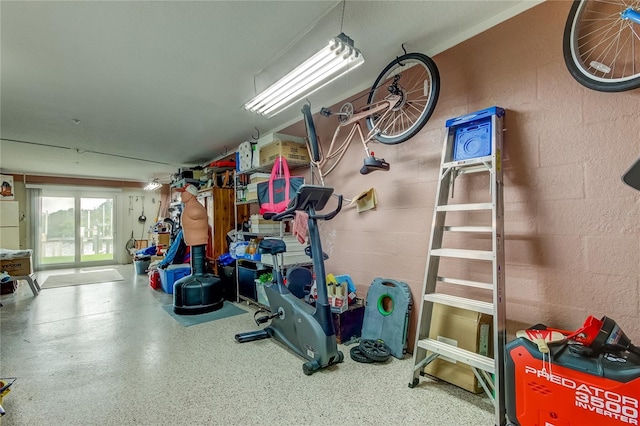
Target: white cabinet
9 225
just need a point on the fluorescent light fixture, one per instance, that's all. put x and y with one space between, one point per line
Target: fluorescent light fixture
337 58
153 185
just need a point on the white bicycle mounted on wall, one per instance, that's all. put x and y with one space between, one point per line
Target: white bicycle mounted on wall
399 104
601 44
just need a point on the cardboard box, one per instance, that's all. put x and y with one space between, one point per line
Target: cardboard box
164 239
259 177
465 329
293 152
16 267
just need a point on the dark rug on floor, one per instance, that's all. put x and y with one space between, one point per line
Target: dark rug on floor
227 310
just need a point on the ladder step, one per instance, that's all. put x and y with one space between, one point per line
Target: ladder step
460 302
463 254
487 229
475 360
470 162
464 207
468 283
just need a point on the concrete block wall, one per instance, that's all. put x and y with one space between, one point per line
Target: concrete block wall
572 227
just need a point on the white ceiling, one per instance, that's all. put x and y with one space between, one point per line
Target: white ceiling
160 85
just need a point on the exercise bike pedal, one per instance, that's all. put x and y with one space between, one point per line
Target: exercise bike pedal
262 320
265 318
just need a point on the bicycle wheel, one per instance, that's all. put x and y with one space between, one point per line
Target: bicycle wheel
601 44
415 78
312 137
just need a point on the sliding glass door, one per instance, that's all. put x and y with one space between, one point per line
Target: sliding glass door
57 242
96 229
75 229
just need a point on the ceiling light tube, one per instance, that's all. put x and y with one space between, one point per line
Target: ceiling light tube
337 58
319 59
306 84
311 83
153 185
274 112
300 83
286 84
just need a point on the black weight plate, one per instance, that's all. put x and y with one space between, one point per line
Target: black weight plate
358 356
375 349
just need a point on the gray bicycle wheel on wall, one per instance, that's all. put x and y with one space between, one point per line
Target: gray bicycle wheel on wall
601 44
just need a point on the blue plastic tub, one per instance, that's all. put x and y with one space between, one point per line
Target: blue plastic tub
172 274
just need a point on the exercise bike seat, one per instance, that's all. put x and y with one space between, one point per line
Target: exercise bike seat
272 246
372 163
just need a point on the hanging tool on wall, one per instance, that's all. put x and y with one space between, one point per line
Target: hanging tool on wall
142 218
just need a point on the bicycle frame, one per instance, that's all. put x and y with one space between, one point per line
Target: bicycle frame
384 107
400 102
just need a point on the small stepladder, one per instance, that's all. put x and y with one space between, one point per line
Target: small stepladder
473 145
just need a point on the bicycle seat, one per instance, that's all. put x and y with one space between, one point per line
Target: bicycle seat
372 164
272 246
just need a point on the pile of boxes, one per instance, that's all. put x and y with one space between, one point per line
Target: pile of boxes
251 193
268 148
264 226
295 253
293 152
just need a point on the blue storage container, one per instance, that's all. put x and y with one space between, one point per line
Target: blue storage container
472 141
172 274
472 133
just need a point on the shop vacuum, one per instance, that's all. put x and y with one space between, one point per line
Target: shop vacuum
588 377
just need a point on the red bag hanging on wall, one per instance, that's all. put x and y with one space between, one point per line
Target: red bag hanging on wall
274 195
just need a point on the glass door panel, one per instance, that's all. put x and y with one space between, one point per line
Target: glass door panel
57 239
76 228
96 229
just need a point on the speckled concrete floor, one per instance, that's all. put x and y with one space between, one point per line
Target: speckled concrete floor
108 354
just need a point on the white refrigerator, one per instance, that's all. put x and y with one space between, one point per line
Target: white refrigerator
9 227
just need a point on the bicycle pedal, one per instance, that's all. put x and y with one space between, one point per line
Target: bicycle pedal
325 111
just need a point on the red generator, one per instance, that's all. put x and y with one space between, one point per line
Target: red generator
154 279
571 386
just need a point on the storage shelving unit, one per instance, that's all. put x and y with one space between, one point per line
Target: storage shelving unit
244 209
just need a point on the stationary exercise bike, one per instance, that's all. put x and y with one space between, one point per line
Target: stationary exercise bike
306 330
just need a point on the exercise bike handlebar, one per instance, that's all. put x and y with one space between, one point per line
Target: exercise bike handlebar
333 214
293 206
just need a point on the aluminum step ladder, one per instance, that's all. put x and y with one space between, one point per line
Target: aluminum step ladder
473 145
